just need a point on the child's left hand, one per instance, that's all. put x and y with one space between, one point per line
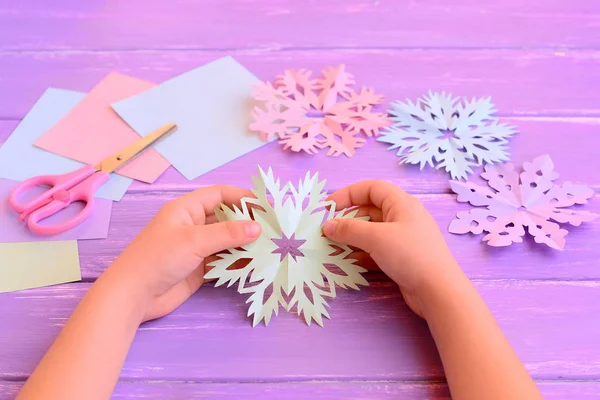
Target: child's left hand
167 259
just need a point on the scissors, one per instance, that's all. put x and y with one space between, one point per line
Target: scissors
80 185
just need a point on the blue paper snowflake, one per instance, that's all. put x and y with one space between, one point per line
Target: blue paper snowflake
447 132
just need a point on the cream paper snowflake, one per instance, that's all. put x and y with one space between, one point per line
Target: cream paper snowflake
291 263
447 132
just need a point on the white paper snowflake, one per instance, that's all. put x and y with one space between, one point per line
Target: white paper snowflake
447 132
291 263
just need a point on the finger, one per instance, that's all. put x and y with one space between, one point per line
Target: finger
213 238
202 202
364 260
374 213
354 232
211 219
354 249
380 194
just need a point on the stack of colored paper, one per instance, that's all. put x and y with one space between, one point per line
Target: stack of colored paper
65 130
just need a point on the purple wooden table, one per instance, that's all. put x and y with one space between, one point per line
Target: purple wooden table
540 61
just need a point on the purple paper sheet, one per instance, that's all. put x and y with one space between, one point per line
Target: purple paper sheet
13 230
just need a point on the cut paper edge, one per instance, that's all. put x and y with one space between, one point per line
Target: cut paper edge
281 212
516 203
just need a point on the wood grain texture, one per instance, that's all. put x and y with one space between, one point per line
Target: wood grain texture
564 139
538 60
536 82
272 391
577 261
526 260
233 24
552 326
321 390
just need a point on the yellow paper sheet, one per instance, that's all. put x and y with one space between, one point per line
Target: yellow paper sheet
36 264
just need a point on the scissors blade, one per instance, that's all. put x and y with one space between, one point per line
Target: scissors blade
116 161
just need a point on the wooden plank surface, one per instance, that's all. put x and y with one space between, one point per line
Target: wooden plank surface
536 82
325 391
280 24
527 260
539 61
552 326
577 261
565 139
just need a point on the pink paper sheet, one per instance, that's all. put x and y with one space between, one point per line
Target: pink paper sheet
92 131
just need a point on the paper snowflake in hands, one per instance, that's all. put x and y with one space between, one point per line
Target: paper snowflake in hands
527 199
311 114
447 132
291 263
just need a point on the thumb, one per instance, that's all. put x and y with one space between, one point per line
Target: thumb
352 232
217 237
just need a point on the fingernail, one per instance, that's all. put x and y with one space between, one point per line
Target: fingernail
252 229
329 227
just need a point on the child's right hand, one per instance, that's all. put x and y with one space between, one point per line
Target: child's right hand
401 237
404 240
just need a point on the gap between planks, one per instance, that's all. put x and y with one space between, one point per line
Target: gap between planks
314 49
380 277
424 382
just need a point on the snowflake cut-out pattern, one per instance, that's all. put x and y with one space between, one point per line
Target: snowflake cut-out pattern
529 199
309 114
447 132
291 263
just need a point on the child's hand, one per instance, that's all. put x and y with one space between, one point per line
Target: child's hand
166 260
404 240
165 265
401 237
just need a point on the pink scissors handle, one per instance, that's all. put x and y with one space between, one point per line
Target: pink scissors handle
66 189
56 183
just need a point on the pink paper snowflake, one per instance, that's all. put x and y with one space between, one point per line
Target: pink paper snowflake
526 199
312 114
